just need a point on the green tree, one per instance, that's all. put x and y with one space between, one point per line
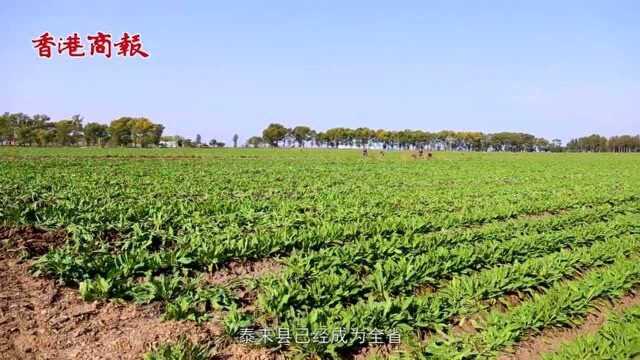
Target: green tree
45 134
120 130
63 132
591 143
68 132
274 133
6 129
155 135
23 128
301 134
179 140
363 136
255 141
96 134
141 130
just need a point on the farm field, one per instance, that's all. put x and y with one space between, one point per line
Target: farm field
290 253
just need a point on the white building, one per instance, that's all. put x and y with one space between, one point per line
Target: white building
168 144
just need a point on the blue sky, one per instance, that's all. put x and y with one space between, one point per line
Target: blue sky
552 68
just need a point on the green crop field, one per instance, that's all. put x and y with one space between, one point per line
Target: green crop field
324 253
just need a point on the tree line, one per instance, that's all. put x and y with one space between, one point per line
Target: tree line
278 135
598 143
38 130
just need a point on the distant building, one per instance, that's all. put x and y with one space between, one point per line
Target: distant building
168 144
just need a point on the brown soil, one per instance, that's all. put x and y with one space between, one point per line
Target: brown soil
542 215
425 290
552 339
376 352
30 239
234 273
235 270
467 325
471 323
40 320
504 303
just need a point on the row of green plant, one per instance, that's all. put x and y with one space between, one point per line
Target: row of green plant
565 304
217 213
402 274
461 297
618 338
166 234
184 295
202 252
129 276
364 251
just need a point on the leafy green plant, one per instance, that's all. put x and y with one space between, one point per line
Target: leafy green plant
618 338
183 349
235 320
